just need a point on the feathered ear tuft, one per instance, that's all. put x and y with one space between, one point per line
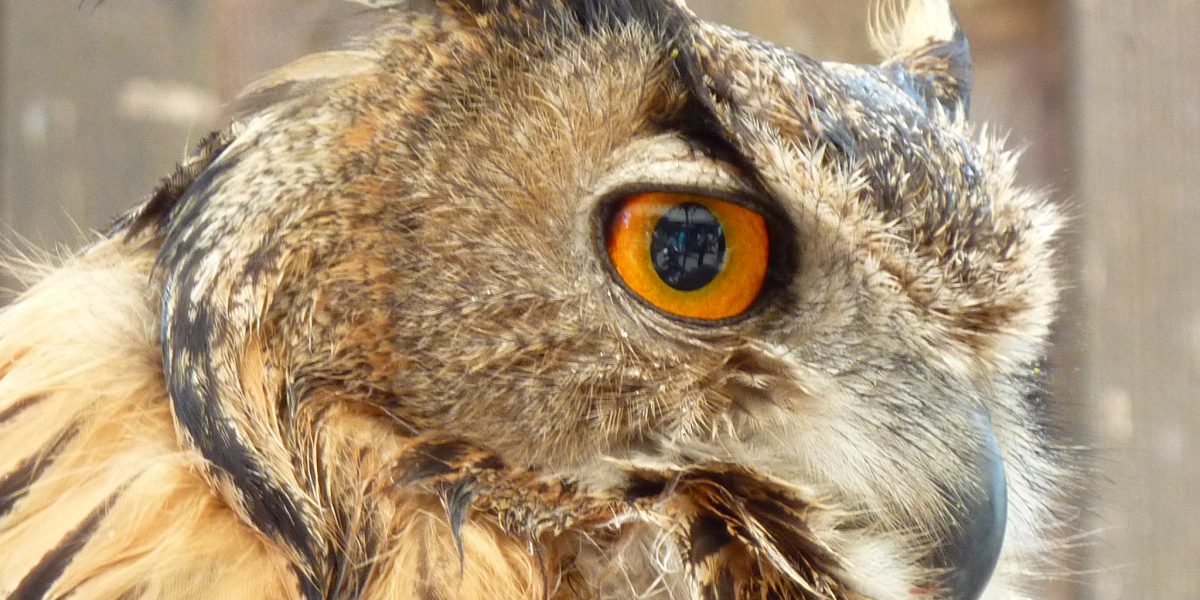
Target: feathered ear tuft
925 50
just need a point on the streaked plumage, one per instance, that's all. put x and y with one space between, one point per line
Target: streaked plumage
365 343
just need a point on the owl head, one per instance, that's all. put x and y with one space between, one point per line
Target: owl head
611 244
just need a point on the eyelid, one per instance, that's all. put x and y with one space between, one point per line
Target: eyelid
669 162
740 197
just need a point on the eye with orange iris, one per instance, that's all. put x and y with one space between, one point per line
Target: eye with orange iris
690 256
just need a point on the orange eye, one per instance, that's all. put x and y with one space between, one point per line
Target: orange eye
691 256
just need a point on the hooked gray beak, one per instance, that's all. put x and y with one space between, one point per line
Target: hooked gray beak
970 555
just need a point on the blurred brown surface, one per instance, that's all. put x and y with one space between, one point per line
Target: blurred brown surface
1138 130
98 102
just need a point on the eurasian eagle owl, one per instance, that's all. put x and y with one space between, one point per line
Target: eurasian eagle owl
551 299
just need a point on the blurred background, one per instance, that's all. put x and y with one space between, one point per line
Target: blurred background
99 100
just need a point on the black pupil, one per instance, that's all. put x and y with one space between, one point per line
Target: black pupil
688 247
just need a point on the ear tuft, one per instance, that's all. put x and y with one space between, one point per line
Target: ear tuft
925 50
903 26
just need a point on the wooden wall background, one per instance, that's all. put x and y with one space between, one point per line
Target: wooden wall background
98 101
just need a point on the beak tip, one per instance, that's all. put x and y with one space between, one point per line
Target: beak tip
971 556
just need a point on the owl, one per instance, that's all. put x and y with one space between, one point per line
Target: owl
560 299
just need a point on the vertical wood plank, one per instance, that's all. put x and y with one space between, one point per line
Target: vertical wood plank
1139 130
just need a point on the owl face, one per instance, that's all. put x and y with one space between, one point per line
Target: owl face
583 234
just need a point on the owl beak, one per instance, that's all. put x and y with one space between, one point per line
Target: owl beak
972 550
